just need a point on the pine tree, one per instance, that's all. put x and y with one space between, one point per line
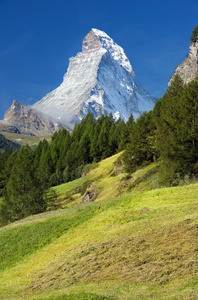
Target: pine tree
9 165
3 161
194 34
37 154
125 133
24 194
84 149
176 116
187 130
166 115
141 148
94 149
102 142
44 169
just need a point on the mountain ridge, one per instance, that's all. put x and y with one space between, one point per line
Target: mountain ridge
30 121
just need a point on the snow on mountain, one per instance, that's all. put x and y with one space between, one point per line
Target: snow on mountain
99 79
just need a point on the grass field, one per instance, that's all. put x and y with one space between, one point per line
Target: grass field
132 242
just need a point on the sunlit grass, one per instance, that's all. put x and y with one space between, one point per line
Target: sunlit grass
127 244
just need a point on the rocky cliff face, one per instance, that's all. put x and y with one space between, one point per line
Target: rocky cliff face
29 121
100 79
188 69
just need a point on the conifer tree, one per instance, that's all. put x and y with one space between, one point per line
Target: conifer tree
166 115
3 161
194 34
125 133
176 116
9 165
44 170
103 138
24 194
94 149
141 148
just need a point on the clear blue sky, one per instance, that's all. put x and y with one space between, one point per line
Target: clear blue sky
38 37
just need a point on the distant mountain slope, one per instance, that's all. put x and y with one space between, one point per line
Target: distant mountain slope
29 121
100 79
7 143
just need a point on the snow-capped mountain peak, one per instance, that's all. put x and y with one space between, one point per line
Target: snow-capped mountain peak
114 49
99 79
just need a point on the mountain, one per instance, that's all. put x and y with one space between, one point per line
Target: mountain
100 79
188 69
29 121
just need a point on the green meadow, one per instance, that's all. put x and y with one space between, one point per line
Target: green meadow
131 240
23 139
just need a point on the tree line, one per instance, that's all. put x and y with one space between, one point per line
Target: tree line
168 134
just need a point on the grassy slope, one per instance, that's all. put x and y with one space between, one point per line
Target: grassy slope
124 245
24 139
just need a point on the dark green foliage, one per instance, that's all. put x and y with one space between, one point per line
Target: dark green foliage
103 139
5 171
141 146
24 194
6 143
194 34
125 133
44 168
177 131
3 159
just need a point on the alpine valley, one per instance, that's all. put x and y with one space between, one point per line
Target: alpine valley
100 79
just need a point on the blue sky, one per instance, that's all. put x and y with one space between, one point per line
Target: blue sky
37 38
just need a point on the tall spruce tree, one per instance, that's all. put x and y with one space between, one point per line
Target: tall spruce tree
125 133
141 148
24 194
176 116
3 160
167 117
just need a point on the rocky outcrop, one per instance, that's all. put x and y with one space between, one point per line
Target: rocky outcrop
29 121
8 128
90 194
101 80
188 69
91 42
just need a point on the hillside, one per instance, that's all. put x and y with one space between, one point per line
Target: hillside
4 142
131 242
22 139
